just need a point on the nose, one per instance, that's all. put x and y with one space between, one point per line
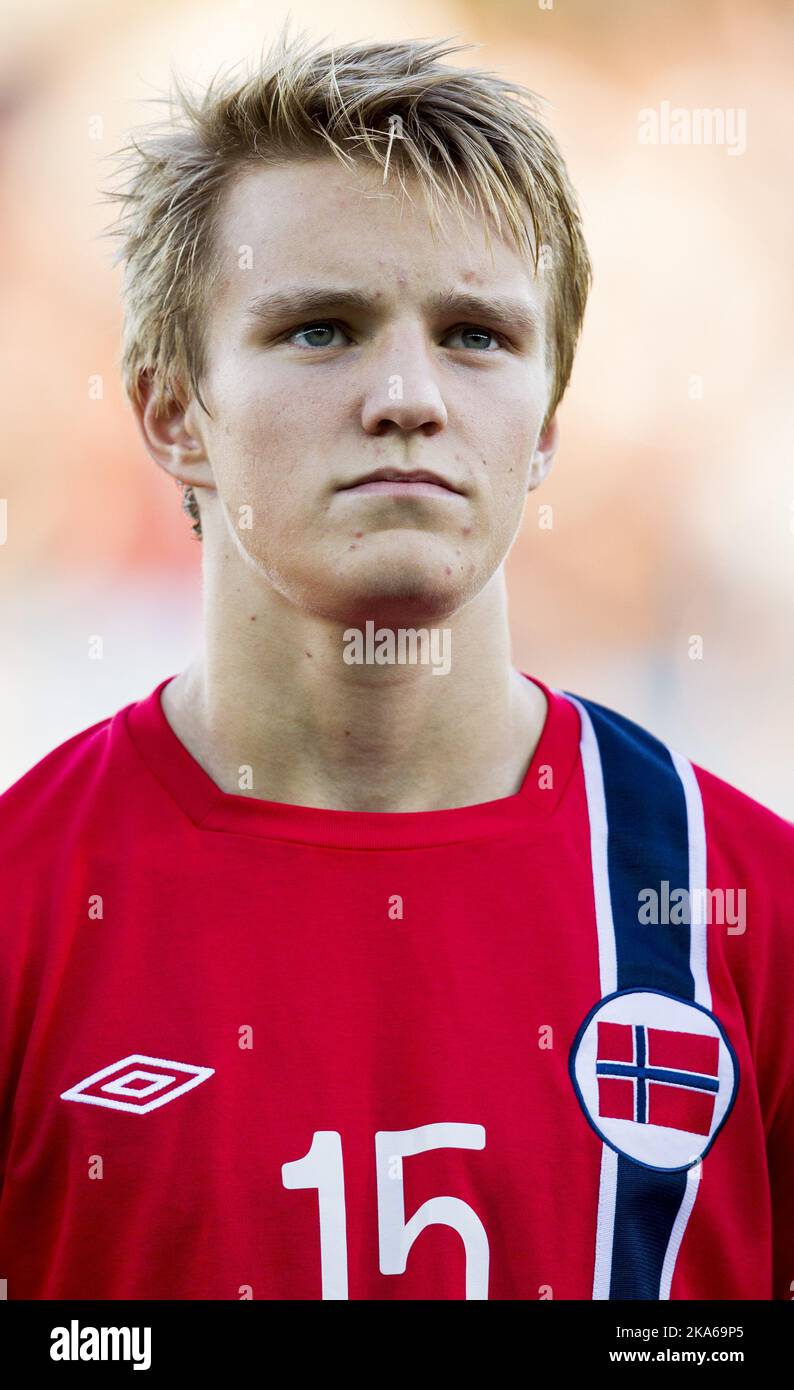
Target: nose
403 393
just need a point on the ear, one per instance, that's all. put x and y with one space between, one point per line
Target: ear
173 437
543 457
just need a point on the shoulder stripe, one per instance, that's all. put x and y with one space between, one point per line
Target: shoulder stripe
646 830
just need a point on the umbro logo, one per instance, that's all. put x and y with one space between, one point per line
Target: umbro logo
138 1083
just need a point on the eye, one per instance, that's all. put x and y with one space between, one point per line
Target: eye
321 335
477 337
317 335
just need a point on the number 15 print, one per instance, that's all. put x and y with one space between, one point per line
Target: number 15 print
323 1168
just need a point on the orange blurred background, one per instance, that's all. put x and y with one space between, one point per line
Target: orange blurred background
673 490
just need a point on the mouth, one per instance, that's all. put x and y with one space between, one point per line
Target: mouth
396 482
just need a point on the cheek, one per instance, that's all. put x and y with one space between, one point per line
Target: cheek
507 464
507 425
259 451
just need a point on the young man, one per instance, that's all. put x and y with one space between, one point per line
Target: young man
329 970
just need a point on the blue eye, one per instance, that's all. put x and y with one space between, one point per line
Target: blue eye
321 335
478 333
312 329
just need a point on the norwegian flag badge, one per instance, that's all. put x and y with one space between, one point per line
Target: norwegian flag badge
655 1075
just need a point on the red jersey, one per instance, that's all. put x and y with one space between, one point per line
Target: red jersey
257 1050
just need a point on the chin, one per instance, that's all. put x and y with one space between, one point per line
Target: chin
393 592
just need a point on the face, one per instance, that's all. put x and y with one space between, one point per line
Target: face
376 395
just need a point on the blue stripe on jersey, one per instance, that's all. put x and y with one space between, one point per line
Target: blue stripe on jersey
647 845
646 1206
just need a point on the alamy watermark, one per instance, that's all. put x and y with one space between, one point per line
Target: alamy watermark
698 907
699 125
402 646
76 1343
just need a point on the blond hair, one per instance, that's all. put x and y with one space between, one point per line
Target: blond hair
473 141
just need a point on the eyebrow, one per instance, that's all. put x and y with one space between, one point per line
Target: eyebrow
304 303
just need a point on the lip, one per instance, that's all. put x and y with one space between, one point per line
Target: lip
395 482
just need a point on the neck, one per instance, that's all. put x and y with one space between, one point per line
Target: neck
270 692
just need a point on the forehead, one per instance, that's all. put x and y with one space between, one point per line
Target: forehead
313 220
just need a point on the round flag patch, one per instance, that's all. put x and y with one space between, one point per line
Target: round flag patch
655 1075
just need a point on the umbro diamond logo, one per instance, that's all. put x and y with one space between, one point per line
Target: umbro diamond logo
138 1083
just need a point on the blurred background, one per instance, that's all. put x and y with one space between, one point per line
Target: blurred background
672 495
